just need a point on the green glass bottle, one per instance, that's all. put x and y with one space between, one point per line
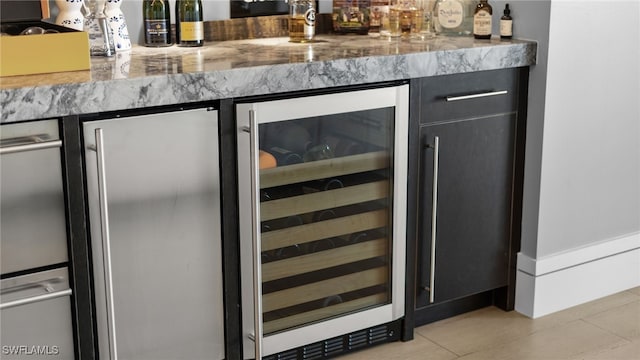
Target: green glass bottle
157 23
189 23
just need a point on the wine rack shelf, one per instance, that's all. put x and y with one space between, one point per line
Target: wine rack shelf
323 169
316 266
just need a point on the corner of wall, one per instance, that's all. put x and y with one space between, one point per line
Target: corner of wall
570 278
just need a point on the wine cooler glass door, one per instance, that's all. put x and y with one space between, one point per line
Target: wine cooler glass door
322 203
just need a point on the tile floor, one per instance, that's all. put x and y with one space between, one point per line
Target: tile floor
604 329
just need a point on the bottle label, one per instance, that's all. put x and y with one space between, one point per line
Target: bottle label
450 14
157 28
482 23
309 23
191 30
506 27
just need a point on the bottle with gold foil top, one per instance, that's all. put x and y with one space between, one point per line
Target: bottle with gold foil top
157 23
189 23
302 20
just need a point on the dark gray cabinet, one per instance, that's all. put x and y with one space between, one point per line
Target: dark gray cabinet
472 209
466 173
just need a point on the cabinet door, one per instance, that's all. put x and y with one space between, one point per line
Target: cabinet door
473 180
153 190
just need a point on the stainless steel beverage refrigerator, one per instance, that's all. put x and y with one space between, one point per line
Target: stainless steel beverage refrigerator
322 192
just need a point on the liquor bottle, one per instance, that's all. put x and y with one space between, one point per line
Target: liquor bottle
506 24
302 20
482 20
157 23
453 17
351 16
377 13
407 14
189 23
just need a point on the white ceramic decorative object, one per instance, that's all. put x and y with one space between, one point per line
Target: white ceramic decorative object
118 25
70 14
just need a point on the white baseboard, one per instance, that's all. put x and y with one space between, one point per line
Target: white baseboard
570 278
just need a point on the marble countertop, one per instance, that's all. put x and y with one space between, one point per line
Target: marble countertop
145 77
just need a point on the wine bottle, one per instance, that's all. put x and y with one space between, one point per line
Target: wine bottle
285 156
482 20
189 23
157 23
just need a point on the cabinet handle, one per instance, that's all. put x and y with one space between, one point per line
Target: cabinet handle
27 143
33 299
255 233
434 213
474 96
106 242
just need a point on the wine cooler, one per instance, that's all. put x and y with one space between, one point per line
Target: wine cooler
322 193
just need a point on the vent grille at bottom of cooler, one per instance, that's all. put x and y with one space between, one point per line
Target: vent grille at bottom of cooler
328 349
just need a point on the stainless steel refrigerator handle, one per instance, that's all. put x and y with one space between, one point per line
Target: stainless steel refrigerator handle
434 213
28 143
474 96
106 242
37 298
255 232
44 284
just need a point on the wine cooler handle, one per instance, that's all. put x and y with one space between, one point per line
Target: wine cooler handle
255 234
434 213
106 243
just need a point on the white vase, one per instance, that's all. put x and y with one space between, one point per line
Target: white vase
70 14
118 25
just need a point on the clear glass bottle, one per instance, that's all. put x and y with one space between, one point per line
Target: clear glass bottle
377 13
408 14
157 23
453 17
482 20
302 20
189 23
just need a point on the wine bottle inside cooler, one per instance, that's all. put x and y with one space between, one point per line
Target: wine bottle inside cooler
189 23
284 156
343 146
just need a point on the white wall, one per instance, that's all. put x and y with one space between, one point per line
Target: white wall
581 233
590 188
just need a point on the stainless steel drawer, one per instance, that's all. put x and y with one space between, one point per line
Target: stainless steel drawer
35 316
32 225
